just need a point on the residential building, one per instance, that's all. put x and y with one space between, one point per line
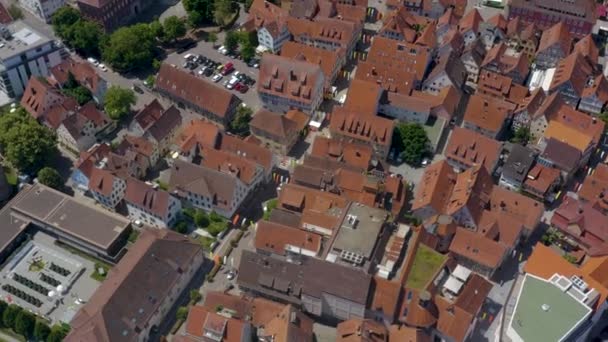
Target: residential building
365 129
587 47
204 324
419 106
555 44
402 25
107 188
325 289
26 53
46 103
79 131
494 30
143 152
196 94
150 205
111 14
83 73
561 156
448 72
572 76
360 330
487 116
157 125
209 189
466 148
584 224
502 87
270 23
43 9
542 182
151 277
326 33
470 26
275 238
472 57
278 132
285 84
516 167
330 61
506 61
595 95
579 16
363 97
529 109
582 141
523 37
594 188
477 252
274 321
84 165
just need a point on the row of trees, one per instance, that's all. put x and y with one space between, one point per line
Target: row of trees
25 323
128 48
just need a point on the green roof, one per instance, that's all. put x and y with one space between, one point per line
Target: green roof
426 263
532 323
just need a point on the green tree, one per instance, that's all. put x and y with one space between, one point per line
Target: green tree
215 217
181 227
413 142
231 41
604 117
3 306
81 94
130 48
156 64
212 37
201 219
195 296
50 177
173 28
85 36
9 316
223 11
118 102
522 136
199 11
58 333
25 143
24 323
41 331
63 19
248 52
157 29
15 12
240 123
182 313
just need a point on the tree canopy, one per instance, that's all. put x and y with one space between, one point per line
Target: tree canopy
41 331
83 35
63 19
240 123
9 316
25 143
24 323
231 41
412 141
199 11
130 48
173 28
223 12
118 102
522 136
50 177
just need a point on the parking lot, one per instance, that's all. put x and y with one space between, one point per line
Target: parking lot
206 49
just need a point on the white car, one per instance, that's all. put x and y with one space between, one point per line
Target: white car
223 50
233 81
217 78
188 56
202 70
92 61
102 67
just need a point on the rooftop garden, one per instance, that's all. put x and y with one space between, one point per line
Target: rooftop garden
426 263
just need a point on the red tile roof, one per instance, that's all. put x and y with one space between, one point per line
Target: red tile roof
369 128
278 239
471 148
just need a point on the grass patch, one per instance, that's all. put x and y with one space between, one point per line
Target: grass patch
11 175
269 206
133 236
12 334
36 266
426 263
206 242
100 276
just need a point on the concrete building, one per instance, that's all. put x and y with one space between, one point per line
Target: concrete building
25 53
42 9
579 16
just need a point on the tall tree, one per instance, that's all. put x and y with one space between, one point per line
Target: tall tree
413 142
9 316
231 41
63 19
50 177
24 323
199 11
240 124
85 36
25 143
223 10
118 102
130 48
173 28
41 331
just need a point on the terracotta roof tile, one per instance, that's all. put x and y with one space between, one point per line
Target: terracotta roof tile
363 97
328 60
279 125
540 178
523 208
358 330
595 187
278 239
231 164
586 47
339 32
487 113
575 69
369 128
387 54
569 135
478 248
84 73
471 148
557 34
266 14
145 196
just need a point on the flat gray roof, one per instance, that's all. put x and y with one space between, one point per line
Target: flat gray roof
24 38
361 237
93 225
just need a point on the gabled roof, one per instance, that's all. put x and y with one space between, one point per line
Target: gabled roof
327 59
595 187
289 78
265 14
487 113
278 239
361 330
145 196
142 278
404 23
148 115
478 248
84 73
101 181
574 69
471 148
279 125
586 47
557 34
370 128
231 164
195 90
470 21
569 135
168 122
38 96
198 132
498 20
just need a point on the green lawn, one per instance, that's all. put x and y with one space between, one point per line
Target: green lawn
11 175
13 334
426 263
96 275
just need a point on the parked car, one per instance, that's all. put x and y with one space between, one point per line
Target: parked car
217 78
92 61
233 81
102 67
137 89
228 68
243 89
202 70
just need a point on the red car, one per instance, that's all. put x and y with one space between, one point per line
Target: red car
243 88
238 86
228 68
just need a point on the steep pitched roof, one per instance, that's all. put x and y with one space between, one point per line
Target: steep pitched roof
557 34
278 239
370 128
279 125
472 148
145 196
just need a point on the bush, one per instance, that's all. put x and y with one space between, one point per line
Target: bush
10 314
201 219
41 331
270 205
215 217
182 313
24 323
189 212
181 227
195 296
216 228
